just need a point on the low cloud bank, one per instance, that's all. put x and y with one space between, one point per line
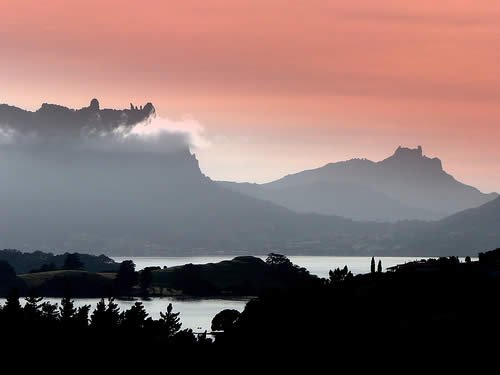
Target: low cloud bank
90 128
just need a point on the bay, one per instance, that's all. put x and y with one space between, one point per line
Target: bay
197 313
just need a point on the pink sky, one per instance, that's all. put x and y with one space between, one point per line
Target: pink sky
279 86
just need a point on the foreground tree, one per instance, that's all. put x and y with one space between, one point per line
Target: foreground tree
372 266
67 311
98 317
225 320
135 317
105 316
82 316
8 278
170 322
49 311
33 307
12 308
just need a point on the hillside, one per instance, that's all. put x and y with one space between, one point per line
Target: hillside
470 231
101 187
404 186
100 191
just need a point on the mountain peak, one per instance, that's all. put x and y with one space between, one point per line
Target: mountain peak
413 156
409 152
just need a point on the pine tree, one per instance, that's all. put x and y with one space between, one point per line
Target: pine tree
135 317
49 311
82 316
170 322
98 317
372 267
32 307
379 267
12 307
67 310
112 314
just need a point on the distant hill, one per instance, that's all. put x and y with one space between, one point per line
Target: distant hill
467 232
406 185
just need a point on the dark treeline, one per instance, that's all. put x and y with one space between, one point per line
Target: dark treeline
104 328
437 304
39 261
71 278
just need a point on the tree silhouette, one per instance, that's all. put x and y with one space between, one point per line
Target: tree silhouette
45 268
379 266
98 318
67 310
112 313
82 316
32 307
49 311
72 262
135 317
145 279
225 320
170 322
105 316
126 277
7 277
12 308
372 266
7 273
338 275
274 259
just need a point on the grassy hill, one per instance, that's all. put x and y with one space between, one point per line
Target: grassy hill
74 283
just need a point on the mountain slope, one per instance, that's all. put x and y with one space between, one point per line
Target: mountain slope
470 231
94 189
346 199
407 185
107 193
153 204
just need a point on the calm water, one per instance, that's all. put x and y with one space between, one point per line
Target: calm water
197 314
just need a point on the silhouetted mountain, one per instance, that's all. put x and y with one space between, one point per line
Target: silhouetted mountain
137 200
57 121
407 185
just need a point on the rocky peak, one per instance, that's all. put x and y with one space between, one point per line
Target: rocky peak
412 156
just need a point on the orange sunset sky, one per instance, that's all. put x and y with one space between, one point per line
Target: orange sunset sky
278 86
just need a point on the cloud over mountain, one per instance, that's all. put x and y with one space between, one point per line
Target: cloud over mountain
137 129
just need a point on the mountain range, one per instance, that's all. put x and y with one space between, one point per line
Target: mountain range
405 186
95 190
